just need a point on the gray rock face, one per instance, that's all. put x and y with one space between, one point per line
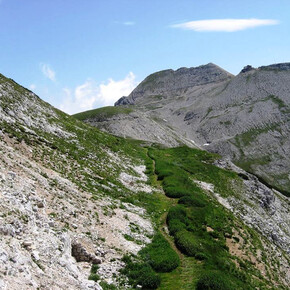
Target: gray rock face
245 118
123 101
264 209
168 83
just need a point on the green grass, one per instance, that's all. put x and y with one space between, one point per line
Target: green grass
204 258
140 273
184 277
159 254
102 113
177 167
196 211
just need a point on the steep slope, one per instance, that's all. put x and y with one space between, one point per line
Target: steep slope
63 191
76 204
245 118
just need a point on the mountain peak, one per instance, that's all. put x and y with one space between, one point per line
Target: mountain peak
170 82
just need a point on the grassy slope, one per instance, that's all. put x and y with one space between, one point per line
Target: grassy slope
102 113
205 260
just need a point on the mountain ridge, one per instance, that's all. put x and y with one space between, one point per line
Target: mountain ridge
243 117
182 78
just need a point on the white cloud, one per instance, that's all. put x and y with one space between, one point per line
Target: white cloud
48 71
226 25
32 86
91 95
126 23
129 23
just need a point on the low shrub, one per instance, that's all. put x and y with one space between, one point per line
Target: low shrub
213 280
176 191
95 277
201 256
187 243
160 255
140 274
175 225
215 235
95 268
177 212
191 200
162 170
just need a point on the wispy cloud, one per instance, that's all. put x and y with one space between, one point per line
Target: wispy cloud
90 94
48 71
225 25
126 23
129 23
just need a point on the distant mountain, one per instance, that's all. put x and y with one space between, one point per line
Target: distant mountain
245 117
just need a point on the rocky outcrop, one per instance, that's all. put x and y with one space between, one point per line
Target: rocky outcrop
247 68
260 207
81 254
123 101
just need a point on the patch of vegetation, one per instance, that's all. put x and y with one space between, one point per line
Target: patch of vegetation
196 211
281 105
159 254
95 268
140 273
214 280
94 277
152 79
249 136
178 167
249 165
208 111
107 286
103 113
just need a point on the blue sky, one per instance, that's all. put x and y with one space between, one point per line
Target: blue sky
79 55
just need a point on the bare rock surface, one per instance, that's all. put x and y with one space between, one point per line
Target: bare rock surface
47 231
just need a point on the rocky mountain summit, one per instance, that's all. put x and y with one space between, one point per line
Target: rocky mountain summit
170 83
244 117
